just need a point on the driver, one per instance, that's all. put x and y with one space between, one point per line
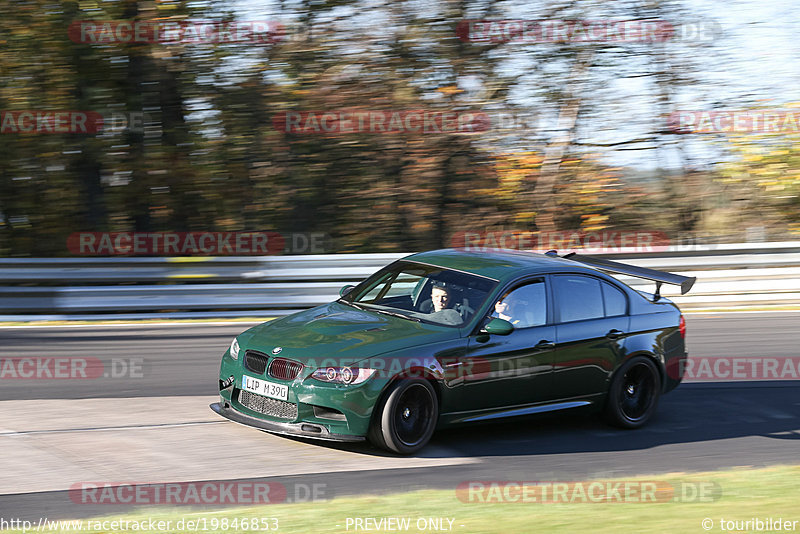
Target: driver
440 297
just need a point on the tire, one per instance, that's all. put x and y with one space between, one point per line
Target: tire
634 392
404 422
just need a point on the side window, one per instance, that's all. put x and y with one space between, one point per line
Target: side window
579 297
375 290
523 306
616 303
404 284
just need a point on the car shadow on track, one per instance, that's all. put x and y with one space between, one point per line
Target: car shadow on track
691 413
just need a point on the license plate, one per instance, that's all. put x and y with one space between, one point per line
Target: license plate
260 386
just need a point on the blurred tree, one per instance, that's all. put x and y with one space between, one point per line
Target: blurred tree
207 156
762 175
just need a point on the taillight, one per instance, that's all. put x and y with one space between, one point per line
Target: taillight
682 327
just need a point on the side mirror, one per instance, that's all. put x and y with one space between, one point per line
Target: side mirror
346 289
498 326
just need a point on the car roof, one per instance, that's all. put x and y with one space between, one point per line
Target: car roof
497 264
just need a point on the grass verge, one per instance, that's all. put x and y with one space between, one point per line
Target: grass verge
741 495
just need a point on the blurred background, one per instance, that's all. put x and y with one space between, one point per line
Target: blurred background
581 132
673 122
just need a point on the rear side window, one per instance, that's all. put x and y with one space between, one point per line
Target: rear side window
615 301
579 297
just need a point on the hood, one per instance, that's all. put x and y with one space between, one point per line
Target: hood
338 334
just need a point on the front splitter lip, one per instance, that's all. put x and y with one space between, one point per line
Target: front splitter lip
286 429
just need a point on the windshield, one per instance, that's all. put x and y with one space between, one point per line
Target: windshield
422 293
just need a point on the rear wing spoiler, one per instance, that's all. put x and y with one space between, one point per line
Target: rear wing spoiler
659 277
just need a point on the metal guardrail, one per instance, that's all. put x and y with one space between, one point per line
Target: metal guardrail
729 275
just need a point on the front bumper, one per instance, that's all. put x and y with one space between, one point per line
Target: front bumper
305 430
354 404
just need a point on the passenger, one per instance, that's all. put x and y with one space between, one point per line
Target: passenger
504 309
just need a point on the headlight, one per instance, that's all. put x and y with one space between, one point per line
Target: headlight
234 349
342 375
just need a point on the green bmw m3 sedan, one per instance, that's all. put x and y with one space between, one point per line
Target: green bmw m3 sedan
451 337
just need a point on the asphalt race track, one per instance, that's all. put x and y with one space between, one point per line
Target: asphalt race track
151 423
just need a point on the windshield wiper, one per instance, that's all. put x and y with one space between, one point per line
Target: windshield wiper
401 315
356 306
393 314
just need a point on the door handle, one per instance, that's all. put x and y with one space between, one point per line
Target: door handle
545 344
615 334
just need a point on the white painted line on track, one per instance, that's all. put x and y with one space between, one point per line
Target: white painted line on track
53 444
12 433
